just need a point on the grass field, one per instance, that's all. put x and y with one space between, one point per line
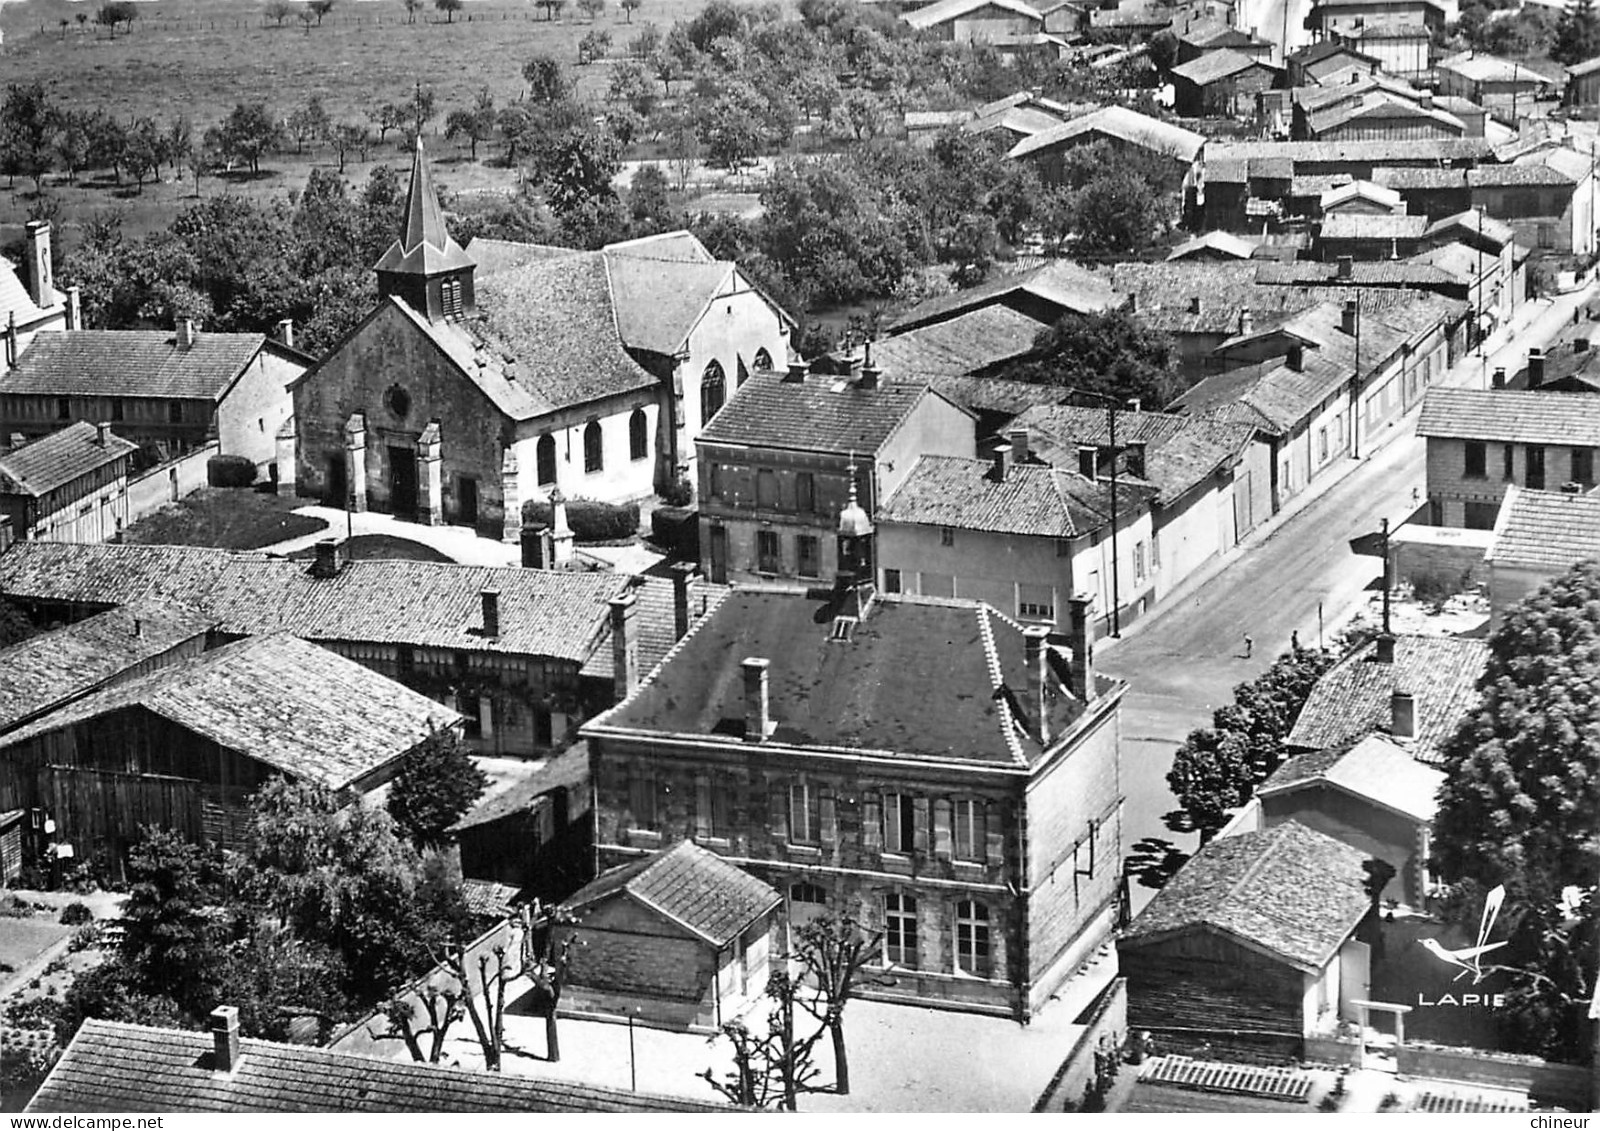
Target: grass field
226 518
373 547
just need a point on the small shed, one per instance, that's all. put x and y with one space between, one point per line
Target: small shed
679 938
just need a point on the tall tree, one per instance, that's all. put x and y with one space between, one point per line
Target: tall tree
547 80
1577 36
438 782
29 126
173 926
449 8
1112 353
248 133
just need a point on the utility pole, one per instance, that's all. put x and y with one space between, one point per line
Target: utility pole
1383 544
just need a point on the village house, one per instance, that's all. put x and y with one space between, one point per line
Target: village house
1374 114
1017 116
1328 18
1366 237
1252 946
1221 84
1021 536
184 746
1470 74
1119 128
1222 247
782 458
928 766
69 486
679 938
1403 49
1480 441
168 392
999 23
1485 252
1571 365
1201 37
1310 64
1538 536
1044 294
1583 83
1546 196
28 307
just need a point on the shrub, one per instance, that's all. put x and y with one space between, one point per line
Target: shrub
230 471
76 914
591 521
87 937
677 531
678 493
13 908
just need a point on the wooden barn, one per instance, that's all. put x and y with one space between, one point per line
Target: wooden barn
1252 946
185 746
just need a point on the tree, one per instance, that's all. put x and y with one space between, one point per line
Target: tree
835 952
307 19
177 144
277 11
591 9
1163 51
309 123
484 978
1113 353
552 8
319 8
547 80
773 1069
449 8
116 12
1577 36
1118 213
249 131
172 923
593 46
629 7
412 8
420 109
475 123
643 44
437 783
142 150
389 116
350 137
74 142
648 203
632 88
29 125
676 58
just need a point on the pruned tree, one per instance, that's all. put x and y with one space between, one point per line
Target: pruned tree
449 8
591 9
836 953
629 7
774 1068
319 8
486 975
278 11
441 1006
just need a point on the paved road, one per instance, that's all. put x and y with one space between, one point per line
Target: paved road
1185 660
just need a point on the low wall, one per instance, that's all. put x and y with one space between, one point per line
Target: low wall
167 483
1446 552
1334 1051
1563 1085
1105 1029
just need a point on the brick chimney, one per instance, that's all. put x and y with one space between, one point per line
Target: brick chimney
491 612
102 433
1247 322
1498 380
1035 645
682 574
757 700
286 331
796 373
41 288
1296 358
185 333
624 645
1081 637
1002 463
1403 714
1018 439
74 308
1535 368
11 341
1088 459
1347 266
326 563
870 373
1384 652
1348 317
225 1038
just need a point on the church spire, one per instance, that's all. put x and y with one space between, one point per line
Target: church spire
425 267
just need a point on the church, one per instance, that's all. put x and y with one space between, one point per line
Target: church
476 386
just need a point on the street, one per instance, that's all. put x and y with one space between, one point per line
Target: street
1185 659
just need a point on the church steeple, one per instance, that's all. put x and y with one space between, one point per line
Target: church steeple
425 268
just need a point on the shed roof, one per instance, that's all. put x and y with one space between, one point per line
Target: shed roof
1549 530
60 458
1372 768
1214 66
1361 226
942 11
692 886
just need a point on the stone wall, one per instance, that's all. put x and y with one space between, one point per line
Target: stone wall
1565 1085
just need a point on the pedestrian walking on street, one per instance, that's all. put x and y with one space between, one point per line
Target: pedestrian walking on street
1249 646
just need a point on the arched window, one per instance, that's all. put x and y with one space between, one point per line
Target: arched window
545 459
593 459
713 391
638 435
972 938
763 360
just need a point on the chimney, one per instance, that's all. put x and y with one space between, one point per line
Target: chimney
11 341
74 308
1247 322
1347 318
1498 381
1087 458
857 362
326 562
1081 638
138 627
1384 653
1347 266
102 433
1002 462
491 612
682 574
1018 439
1580 345
624 646
225 1037
870 373
1297 357
1426 100
286 332
40 287
796 374
1403 712
1035 641
757 704
1194 304
185 333
1535 367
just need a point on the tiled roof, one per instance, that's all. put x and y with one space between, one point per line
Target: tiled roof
131 363
425 604
1353 698
1316 52
111 1066
1215 66
488 898
1180 450
1376 151
995 394
1024 120
56 460
275 699
1545 529
1336 195
655 623
1381 108
1497 231
521 786
1515 416
918 678
1533 173
1268 395
58 666
658 301
1224 243
1388 31
1060 282
1478 67
969 342
1361 226
932 15
1292 892
1587 67
1122 124
1404 178
1032 500
424 246
1373 768
494 256
820 414
680 245
689 885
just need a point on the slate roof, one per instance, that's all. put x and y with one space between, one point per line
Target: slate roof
1214 66
1373 768
1353 698
1060 282
425 604
1122 124
55 667
132 363
1033 500
1544 529
1180 450
1289 891
919 678
58 459
690 885
820 414
275 699
1360 226
115 1067
425 245
932 15
1515 416
655 623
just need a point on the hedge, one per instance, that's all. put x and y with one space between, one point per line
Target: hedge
230 471
591 521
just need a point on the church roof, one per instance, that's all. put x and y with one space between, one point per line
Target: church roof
425 246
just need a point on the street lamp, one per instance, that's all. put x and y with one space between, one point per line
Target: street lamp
1116 600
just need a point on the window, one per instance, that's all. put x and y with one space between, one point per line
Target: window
900 930
713 391
1583 466
468 705
1322 443
1507 463
174 412
763 359
63 409
972 938
711 808
638 435
891 581
807 893
1477 460
642 796
809 554
767 489
768 557
544 459
899 823
947 536
1534 476
971 840
593 456
116 408
1138 561
1036 602
450 294
805 493
805 821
